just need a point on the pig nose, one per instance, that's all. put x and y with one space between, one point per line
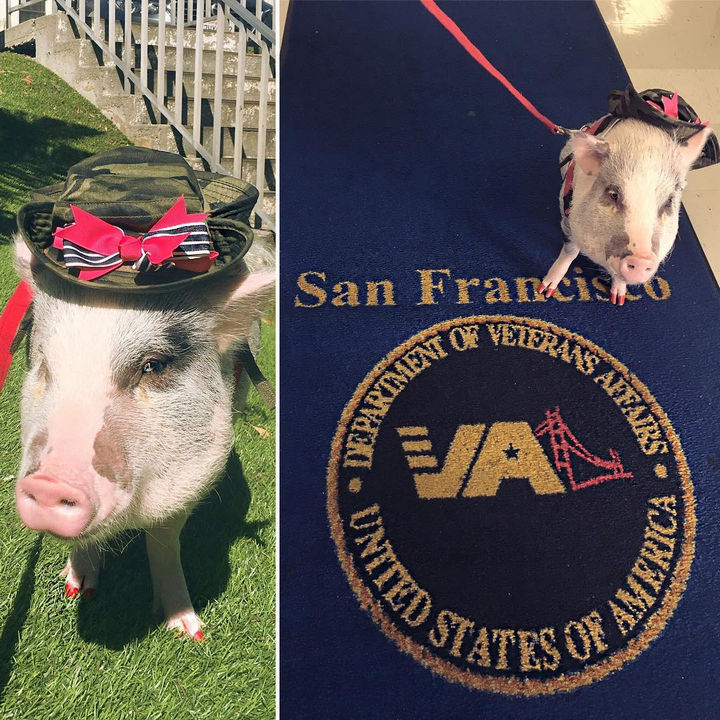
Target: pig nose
638 268
45 503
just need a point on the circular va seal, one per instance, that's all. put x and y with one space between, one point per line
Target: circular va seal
511 505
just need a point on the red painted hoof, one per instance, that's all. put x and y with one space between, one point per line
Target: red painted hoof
541 288
71 591
198 636
621 300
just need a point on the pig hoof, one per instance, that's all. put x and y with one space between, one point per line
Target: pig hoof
81 573
72 591
618 289
548 286
187 624
542 290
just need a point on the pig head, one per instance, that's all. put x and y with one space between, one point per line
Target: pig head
626 201
126 415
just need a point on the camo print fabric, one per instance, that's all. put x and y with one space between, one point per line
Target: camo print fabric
631 104
132 188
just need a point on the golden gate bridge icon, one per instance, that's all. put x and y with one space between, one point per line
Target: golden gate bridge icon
564 443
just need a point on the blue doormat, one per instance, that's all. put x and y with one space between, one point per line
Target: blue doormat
493 504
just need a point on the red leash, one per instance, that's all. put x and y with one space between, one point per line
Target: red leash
463 39
10 320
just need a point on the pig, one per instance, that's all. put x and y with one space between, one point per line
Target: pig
626 201
126 416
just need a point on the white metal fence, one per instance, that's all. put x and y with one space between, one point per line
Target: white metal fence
122 29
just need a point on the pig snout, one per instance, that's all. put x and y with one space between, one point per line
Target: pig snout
46 503
639 268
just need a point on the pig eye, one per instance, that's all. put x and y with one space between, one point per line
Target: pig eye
154 365
667 207
613 193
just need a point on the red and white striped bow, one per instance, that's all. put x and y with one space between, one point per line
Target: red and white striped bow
97 248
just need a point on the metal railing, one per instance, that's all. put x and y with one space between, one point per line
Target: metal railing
122 29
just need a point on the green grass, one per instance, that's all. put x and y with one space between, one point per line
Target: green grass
45 127
110 658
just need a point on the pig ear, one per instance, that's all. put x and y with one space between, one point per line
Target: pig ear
589 152
23 259
247 302
690 150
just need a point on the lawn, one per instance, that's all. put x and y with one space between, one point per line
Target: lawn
109 657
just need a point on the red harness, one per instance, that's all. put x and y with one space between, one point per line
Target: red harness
10 320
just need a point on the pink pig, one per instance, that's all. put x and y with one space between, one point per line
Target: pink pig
626 201
127 416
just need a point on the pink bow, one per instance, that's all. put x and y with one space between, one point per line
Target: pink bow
97 248
670 105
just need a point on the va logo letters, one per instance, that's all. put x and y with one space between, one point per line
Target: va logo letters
507 450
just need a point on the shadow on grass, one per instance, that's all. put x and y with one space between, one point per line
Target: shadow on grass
34 152
16 619
121 612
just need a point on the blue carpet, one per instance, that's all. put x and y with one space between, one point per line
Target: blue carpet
422 576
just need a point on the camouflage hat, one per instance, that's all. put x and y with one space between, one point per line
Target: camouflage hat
668 111
132 188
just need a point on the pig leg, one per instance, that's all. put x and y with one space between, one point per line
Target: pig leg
558 269
617 291
82 570
241 392
242 382
170 593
